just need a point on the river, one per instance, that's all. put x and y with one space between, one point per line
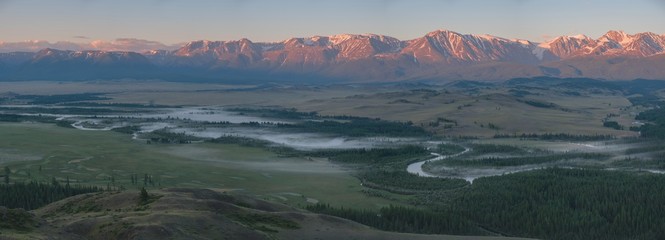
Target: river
417 167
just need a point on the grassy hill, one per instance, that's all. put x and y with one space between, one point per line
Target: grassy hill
186 213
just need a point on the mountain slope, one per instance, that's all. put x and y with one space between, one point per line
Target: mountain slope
440 55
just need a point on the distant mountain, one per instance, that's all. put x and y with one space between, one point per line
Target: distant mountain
120 44
51 64
441 55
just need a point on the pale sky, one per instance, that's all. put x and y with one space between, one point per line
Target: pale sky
176 21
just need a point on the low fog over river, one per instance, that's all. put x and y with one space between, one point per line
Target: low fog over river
194 121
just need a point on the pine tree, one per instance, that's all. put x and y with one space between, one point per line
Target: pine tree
143 197
7 172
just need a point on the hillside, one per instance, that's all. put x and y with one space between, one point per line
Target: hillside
189 214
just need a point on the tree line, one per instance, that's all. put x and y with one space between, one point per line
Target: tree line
403 219
34 195
552 203
518 161
373 155
655 128
569 204
557 136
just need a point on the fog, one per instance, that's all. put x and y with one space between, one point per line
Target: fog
206 114
177 120
613 147
186 120
196 114
300 141
196 152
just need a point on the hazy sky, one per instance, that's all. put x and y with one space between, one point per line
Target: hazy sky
175 21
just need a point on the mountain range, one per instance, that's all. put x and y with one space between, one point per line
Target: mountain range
440 55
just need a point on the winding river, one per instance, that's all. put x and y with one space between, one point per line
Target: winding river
417 167
470 174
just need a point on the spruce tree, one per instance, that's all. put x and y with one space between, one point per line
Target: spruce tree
7 172
143 197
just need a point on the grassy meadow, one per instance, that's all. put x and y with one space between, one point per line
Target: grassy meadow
107 158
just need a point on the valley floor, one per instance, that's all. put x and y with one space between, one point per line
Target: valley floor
285 162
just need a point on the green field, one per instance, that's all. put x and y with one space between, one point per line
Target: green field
98 157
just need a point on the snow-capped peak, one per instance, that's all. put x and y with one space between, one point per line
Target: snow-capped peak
437 46
580 36
619 37
339 38
522 41
488 37
442 32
